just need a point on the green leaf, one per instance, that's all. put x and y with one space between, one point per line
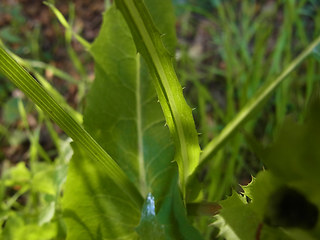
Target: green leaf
285 200
287 194
239 220
173 215
269 201
177 113
124 116
294 161
236 220
94 206
122 111
259 190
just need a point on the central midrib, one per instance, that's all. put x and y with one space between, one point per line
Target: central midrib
142 173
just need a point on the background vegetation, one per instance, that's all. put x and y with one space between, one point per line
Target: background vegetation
226 50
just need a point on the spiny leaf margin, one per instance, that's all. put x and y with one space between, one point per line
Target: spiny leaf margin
177 113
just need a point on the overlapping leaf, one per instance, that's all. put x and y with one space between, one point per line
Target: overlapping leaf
285 199
177 113
124 116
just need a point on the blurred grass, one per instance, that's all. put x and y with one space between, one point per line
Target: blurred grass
232 48
227 50
250 43
34 155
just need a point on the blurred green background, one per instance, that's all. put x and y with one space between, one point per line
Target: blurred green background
226 50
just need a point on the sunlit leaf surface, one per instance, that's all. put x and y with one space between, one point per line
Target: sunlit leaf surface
124 116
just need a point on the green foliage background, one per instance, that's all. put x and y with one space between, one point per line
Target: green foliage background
246 44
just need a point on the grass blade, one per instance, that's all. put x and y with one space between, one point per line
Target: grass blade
64 23
32 65
34 90
255 102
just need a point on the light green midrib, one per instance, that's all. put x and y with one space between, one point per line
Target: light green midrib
163 78
33 89
142 170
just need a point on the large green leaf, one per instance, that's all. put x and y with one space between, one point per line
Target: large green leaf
282 208
238 220
94 206
178 114
108 213
123 113
124 116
